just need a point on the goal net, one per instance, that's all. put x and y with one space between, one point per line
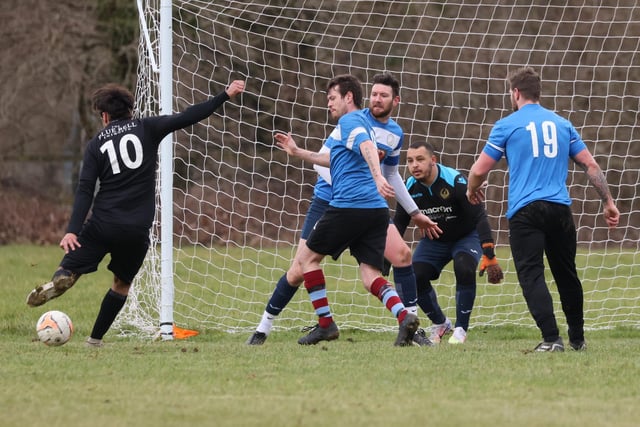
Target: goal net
239 202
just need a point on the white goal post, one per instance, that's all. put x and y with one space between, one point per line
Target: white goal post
234 203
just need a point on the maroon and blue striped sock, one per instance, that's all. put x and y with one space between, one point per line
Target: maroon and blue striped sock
389 297
315 284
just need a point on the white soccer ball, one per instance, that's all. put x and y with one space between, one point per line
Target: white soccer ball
54 328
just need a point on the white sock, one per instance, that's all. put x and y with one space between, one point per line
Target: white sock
266 323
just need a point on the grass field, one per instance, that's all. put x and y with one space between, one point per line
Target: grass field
214 379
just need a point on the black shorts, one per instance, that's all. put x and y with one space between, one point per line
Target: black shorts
127 245
316 209
363 231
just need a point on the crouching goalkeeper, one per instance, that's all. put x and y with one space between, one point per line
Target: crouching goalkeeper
440 193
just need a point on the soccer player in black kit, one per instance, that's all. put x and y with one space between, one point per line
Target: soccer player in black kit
441 193
123 158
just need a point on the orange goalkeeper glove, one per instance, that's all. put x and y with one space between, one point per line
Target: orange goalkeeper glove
489 262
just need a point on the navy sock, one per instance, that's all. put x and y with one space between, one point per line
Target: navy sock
405 281
428 302
465 298
111 306
281 296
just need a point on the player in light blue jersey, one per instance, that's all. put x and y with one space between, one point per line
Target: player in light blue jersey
350 176
384 97
538 144
357 217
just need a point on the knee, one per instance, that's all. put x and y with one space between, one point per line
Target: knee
120 286
425 273
464 267
401 258
294 274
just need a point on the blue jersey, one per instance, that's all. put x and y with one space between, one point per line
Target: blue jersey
352 183
537 144
389 137
322 189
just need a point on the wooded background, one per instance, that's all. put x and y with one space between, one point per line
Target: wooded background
55 54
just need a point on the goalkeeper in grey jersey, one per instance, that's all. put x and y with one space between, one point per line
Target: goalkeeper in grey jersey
440 193
122 157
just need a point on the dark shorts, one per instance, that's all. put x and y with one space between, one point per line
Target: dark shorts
363 231
316 209
127 245
438 253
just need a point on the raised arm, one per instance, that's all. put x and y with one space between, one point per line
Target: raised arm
165 124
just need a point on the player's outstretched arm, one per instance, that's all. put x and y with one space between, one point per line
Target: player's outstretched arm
287 144
235 87
404 199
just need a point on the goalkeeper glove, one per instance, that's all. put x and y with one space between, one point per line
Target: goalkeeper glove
489 262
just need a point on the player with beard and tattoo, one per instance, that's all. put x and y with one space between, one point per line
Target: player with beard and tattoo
538 144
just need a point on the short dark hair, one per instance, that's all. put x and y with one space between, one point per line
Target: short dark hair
388 79
347 83
114 100
427 145
527 81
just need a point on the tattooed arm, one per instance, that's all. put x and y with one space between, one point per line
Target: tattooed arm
585 160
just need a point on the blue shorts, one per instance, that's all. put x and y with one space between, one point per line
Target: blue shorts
127 245
316 210
439 254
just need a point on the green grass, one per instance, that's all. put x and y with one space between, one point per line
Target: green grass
214 379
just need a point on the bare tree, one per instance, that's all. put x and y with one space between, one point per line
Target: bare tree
54 54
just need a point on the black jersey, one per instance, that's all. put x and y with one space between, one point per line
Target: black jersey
123 158
445 202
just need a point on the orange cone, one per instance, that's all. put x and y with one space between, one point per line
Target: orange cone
180 334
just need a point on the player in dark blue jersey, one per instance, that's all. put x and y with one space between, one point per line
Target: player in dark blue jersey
538 145
122 158
441 193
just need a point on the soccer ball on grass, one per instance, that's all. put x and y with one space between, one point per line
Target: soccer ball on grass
54 328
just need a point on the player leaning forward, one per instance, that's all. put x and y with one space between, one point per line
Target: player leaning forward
122 157
357 217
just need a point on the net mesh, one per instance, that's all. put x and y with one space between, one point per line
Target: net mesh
239 202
